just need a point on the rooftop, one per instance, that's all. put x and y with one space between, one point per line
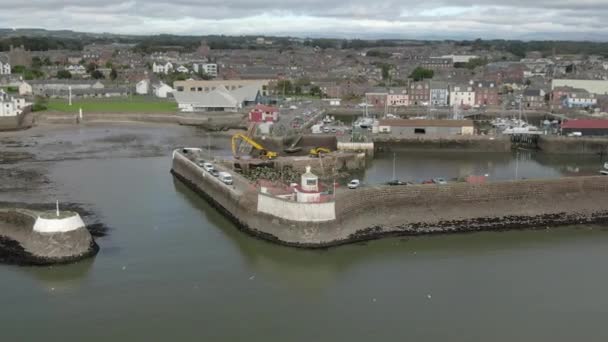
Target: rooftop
426 123
585 124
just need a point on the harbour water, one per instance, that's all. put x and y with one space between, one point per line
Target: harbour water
173 268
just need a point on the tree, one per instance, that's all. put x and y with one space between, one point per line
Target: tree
40 104
36 62
91 67
420 74
113 74
31 74
284 87
109 64
316 91
96 74
63 74
386 71
18 69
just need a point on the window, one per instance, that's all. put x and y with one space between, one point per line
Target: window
419 131
200 88
311 182
192 89
180 88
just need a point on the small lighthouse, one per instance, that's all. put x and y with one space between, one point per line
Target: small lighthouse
308 191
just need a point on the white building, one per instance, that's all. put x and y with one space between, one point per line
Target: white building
208 68
25 89
182 69
162 90
462 95
76 69
159 68
142 87
11 106
459 58
5 68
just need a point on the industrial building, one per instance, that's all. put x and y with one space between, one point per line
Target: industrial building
207 86
431 128
586 127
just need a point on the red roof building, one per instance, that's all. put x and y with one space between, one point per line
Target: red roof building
262 113
587 127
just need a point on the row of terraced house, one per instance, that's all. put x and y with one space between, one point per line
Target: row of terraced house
436 94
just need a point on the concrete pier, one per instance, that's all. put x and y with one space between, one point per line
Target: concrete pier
374 212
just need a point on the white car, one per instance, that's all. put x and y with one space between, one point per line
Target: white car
226 178
208 167
353 184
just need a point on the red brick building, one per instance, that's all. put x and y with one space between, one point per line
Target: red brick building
262 113
420 93
486 93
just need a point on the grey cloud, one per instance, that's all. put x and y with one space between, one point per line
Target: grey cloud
487 18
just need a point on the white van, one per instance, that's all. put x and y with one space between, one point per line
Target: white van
226 178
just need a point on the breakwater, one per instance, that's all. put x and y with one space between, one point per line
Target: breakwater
456 143
39 238
375 212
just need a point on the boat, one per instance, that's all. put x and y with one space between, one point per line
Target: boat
364 123
605 170
395 181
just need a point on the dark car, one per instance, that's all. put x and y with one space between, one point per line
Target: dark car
397 182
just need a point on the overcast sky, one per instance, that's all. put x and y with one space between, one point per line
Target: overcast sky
524 19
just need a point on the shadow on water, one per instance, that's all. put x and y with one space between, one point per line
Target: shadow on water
60 277
319 268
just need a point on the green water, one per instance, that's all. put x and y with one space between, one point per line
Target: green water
173 269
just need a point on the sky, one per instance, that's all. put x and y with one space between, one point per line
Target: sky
409 19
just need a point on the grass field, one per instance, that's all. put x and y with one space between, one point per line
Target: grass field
115 105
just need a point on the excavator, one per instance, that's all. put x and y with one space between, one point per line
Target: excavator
264 153
315 152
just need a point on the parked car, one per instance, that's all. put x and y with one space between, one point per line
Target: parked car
208 167
226 178
440 181
200 163
353 184
214 173
397 182
428 181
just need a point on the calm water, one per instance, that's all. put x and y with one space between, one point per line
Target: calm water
420 165
173 269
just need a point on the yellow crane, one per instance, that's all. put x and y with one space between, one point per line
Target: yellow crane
264 153
319 150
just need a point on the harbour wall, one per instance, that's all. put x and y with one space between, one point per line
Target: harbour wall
456 143
27 239
573 145
375 212
211 121
14 123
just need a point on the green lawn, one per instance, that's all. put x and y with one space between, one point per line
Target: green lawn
116 105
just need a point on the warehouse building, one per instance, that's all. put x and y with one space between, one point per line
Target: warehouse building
431 128
587 127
